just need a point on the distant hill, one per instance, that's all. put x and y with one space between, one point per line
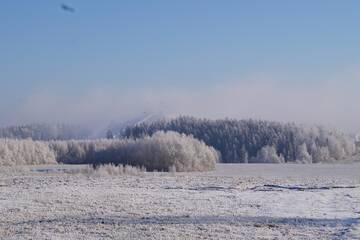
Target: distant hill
118 127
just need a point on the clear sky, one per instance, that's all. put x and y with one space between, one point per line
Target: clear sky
208 58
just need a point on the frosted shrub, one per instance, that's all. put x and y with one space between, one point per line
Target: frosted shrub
111 170
268 155
25 152
162 151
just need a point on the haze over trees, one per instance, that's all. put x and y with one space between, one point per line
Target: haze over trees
45 132
255 141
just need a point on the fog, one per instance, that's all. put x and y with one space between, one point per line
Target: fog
333 103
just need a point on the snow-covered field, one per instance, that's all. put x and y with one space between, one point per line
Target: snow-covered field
233 202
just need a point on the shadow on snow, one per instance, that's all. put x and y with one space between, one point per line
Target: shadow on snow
186 219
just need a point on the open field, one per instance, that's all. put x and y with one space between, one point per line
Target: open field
233 202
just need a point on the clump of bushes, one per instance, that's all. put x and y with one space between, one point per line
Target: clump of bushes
111 170
163 151
267 154
25 152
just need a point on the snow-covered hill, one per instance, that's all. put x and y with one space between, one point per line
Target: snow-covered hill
118 126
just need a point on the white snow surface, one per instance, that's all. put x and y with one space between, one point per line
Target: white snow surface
236 201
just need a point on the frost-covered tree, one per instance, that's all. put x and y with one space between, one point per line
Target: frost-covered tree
244 155
109 134
302 154
322 154
268 154
25 152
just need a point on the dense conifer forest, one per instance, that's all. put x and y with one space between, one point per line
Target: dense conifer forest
246 141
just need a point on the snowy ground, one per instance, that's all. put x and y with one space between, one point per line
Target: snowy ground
233 202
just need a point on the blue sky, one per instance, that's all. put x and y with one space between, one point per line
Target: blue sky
190 47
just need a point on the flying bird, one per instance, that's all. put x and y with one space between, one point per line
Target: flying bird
67 8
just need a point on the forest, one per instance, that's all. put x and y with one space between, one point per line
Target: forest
184 143
257 141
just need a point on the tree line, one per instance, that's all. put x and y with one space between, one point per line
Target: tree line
251 141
